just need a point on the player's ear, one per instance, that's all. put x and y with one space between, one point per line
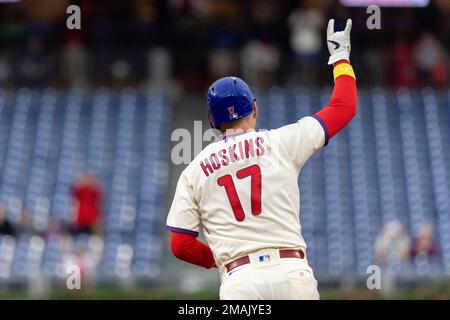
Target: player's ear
255 110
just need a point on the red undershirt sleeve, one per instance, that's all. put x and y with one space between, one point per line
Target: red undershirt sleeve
187 248
342 107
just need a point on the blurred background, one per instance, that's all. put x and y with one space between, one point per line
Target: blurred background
86 119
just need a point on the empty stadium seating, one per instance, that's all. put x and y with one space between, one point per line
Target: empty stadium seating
47 139
392 162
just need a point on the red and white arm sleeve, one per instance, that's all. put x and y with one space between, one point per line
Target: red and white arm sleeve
187 248
342 107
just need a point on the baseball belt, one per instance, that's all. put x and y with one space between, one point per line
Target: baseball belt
284 253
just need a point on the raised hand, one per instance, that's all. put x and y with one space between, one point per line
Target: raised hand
338 43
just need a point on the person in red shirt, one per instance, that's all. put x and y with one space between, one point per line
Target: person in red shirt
87 194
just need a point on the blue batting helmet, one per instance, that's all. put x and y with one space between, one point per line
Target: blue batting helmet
229 99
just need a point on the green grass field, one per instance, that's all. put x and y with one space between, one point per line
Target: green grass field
440 291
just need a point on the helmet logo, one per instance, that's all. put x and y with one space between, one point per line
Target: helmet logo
233 114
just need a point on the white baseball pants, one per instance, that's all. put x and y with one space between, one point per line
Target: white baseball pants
267 277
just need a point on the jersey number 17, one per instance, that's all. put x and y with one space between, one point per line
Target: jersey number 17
227 182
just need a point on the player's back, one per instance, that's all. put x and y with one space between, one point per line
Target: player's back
244 190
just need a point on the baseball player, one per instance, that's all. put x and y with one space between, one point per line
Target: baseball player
243 189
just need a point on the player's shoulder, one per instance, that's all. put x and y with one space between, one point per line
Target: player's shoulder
308 122
305 121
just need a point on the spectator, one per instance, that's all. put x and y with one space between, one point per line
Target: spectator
391 252
306 24
424 244
261 56
159 70
392 243
430 59
6 228
87 194
260 62
402 65
223 38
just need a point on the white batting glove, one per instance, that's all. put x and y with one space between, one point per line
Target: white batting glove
339 42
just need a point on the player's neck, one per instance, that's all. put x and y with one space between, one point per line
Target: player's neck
235 131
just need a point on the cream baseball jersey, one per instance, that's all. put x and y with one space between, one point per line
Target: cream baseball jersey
244 190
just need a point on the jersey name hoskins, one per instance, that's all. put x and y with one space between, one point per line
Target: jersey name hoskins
243 149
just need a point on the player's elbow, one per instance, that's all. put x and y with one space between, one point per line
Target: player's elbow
353 106
354 102
345 98
178 245
347 109
177 252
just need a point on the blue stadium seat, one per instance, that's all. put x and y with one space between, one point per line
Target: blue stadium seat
392 162
48 138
